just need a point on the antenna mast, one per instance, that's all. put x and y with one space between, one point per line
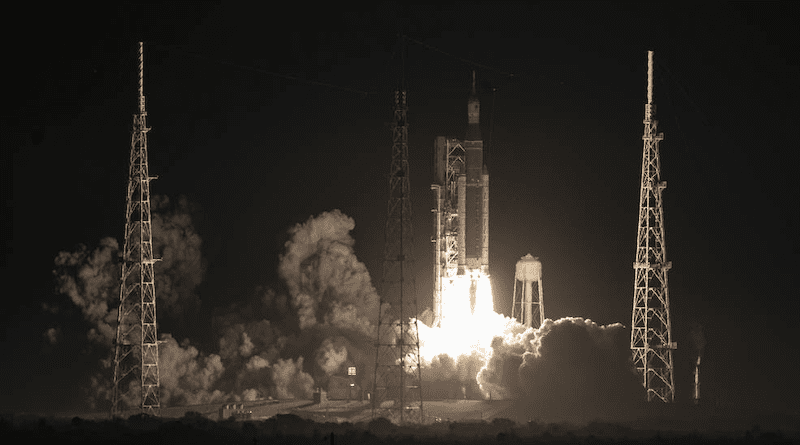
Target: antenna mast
651 329
397 386
136 378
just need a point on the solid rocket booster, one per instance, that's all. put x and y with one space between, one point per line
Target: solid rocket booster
475 193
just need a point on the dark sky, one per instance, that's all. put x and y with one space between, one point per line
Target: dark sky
263 119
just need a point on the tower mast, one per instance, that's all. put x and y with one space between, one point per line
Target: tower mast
397 386
136 378
651 329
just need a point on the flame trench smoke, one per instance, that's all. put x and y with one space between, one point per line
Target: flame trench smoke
274 345
571 368
283 345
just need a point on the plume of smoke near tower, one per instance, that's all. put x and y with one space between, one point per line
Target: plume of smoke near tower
260 353
571 368
182 267
90 278
326 281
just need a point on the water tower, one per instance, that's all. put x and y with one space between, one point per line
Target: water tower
528 305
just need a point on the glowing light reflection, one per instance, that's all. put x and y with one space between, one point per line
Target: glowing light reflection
463 330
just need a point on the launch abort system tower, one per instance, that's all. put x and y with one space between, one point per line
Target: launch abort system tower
651 329
461 213
136 379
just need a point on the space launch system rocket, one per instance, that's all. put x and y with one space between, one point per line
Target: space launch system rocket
476 194
461 195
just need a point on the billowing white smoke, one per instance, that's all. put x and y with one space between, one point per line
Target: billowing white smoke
262 344
91 278
290 380
571 368
181 268
187 377
326 281
91 281
330 357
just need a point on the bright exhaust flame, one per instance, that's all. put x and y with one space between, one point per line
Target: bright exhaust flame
469 322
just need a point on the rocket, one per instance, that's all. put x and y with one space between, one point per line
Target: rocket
461 223
473 195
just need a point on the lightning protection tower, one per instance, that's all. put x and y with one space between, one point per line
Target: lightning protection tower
651 331
136 379
397 386
527 304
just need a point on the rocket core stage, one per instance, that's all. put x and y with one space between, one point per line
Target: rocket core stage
461 222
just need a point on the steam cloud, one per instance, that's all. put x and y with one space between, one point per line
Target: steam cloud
262 344
284 346
181 268
326 281
571 368
90 279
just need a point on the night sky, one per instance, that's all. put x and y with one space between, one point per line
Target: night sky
261 128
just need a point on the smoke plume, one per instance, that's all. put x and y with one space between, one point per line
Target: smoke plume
181 268
188 377
570 368
326 281
91 281
91 278
262 344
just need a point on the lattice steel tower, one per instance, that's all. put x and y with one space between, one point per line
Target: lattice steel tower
397 386
651 329
136 379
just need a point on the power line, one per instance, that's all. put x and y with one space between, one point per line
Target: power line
467 61
281 75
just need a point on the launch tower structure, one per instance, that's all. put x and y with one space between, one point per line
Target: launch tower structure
136 378
397 385
461 210
651 328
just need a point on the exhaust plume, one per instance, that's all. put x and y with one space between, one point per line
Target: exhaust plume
571 368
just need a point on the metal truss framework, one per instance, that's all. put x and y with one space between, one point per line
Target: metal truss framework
397 386
136 377
447 222
651 330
